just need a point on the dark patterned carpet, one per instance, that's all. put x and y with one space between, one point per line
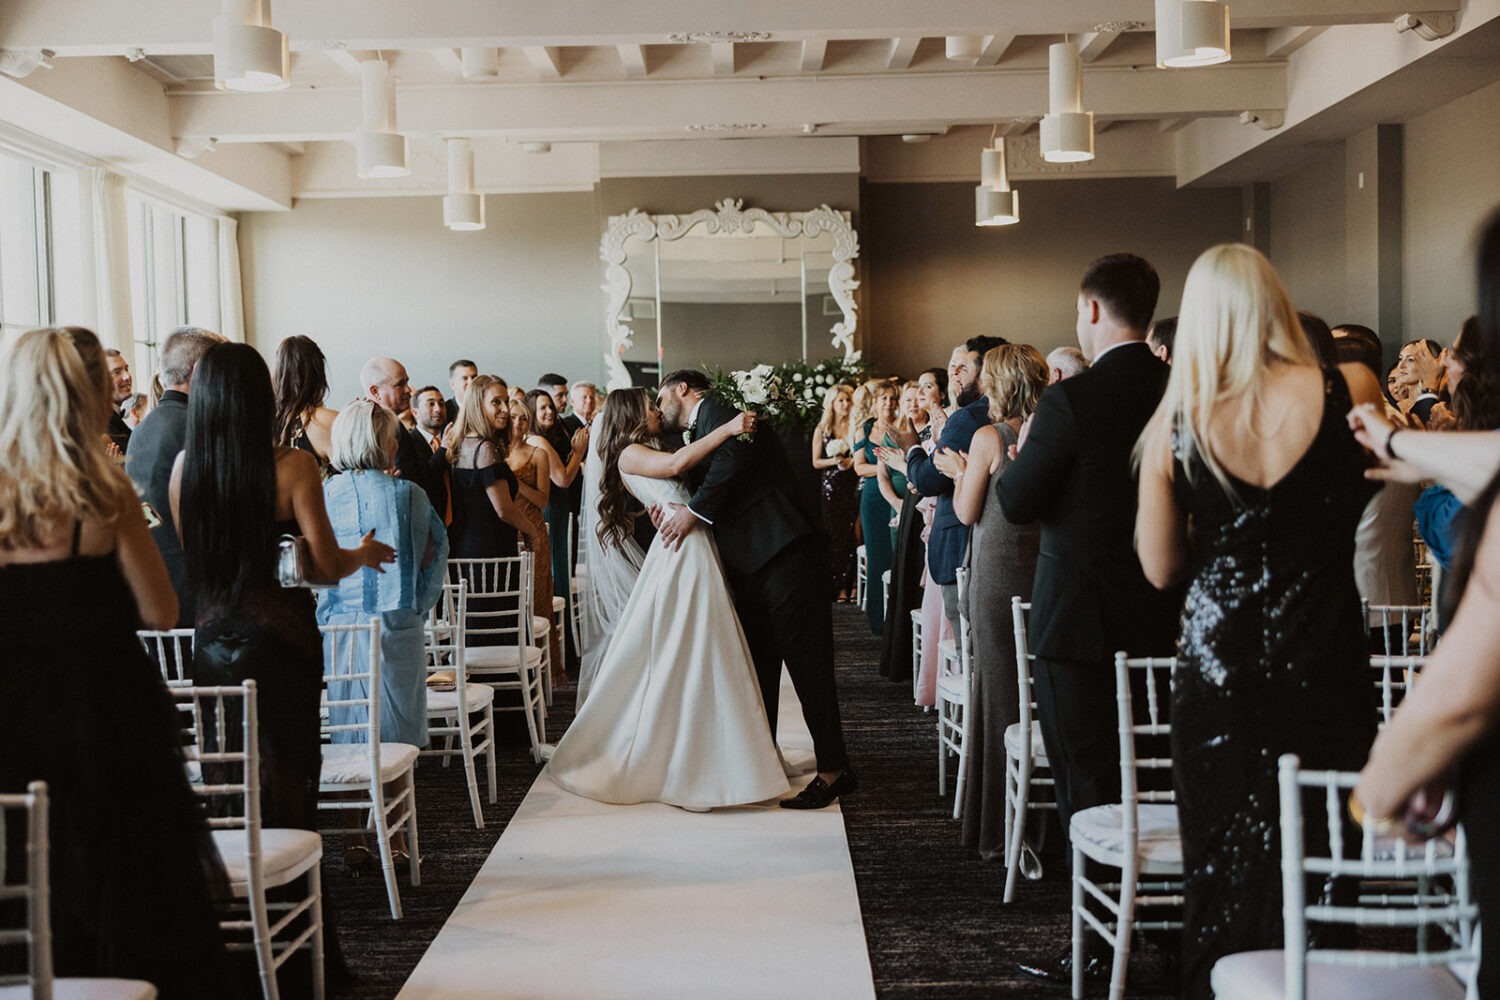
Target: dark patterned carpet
932 910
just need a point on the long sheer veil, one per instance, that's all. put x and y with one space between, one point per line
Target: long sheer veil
611 571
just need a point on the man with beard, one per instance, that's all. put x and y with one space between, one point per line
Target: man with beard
121 388
949 539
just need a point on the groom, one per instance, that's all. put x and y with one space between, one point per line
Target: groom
776 562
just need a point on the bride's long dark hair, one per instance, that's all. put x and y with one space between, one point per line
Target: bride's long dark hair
623 424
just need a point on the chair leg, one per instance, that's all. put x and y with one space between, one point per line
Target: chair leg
466 740
315 889
1123 928
963 764
1078 931
413 843
383 839
489 749
265 956
942 754
1016 801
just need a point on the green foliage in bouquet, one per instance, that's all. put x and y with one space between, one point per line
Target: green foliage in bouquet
788 395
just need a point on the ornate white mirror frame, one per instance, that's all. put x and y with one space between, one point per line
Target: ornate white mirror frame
728 216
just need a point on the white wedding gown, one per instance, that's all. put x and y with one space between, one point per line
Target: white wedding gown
674 714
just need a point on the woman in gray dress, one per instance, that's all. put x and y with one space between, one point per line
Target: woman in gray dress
1002 561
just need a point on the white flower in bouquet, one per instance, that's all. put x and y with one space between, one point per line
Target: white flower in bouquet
755 385
796 376
837 448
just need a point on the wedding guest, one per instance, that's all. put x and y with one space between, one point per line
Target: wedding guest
912 409
133 862
1002 563
1065 362
933 383
904 593
386 382
1249 446
460 374
839 489
1418 370
565 456
301 383
122 390
531 464
1384 566
154 446
880 430
1089 599
432 416
584 399
1160 339
556 386
368 499
1445 731
134 409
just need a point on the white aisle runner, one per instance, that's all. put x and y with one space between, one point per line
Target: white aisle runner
591 901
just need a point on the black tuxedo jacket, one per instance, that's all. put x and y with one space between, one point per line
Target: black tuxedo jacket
1074 475
748 492
421 466
149 458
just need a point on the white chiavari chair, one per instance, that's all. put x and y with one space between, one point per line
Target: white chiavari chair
365 775
955 696
172 649
457 710
225 735
499 645
1441 917
34 892
1139 835
1027 772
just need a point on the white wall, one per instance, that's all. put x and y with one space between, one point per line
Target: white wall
375 276
1452 168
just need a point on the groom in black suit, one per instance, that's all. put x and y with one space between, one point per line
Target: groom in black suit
776 562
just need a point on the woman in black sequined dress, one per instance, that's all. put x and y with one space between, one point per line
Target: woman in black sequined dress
1251 487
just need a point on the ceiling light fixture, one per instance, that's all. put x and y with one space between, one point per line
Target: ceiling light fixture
463 209
1191 33
249 54
1068 130
379 149
995 204
21 63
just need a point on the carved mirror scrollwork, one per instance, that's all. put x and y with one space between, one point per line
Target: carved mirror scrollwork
769 282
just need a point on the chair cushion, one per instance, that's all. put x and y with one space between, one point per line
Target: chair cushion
476 696
87 989
284 854
1013 743
349 763
953 687
540 627
500 657
558 604
1098 834
1259 975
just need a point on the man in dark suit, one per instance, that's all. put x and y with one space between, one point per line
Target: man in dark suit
1073 473
776 562
386 382
427 406
460 374
121 388
949 539
153 450
585 399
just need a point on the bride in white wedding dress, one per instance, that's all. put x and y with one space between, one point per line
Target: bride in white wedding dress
674 712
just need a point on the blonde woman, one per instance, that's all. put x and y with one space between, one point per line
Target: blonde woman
1002 563
532 467
883 429
1250 447
834 460
130 890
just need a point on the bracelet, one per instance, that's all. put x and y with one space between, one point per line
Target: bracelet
1389 451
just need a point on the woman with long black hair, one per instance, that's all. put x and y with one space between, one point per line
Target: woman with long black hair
301 384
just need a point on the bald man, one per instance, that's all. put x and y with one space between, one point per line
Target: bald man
386 382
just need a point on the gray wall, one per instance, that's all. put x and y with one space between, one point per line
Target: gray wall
1307 243
934 278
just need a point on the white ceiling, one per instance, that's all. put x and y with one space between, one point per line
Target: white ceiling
662 87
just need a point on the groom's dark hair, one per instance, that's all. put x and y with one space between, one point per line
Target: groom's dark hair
690 377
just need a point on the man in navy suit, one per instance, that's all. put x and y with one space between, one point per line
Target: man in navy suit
949 540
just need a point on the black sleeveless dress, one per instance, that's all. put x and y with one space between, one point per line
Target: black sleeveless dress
271 637
1272 660
83 708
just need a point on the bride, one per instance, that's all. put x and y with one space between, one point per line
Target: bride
674 711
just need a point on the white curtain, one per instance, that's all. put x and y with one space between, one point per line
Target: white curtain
231 298
111 260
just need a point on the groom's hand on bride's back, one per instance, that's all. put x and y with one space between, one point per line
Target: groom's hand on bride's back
675 524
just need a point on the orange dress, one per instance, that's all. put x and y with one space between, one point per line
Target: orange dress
541 602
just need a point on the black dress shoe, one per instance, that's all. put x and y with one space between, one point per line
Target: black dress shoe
1059 971
820 793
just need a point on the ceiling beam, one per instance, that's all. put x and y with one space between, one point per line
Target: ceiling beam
1282 42
902 51
633 58
1091 44
722 54
619 110
349 61
994 49
814 51
545 61
450 62
87 27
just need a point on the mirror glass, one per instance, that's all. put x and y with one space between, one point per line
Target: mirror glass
727 290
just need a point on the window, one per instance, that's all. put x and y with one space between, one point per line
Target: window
174 274
26 286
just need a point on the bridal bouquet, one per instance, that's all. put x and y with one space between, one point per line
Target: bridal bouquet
789 395
836 448
759 390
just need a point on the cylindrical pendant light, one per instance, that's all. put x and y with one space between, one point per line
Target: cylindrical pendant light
964 48
249 54
1068 131
995 204
1191 33
463 209
380 150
